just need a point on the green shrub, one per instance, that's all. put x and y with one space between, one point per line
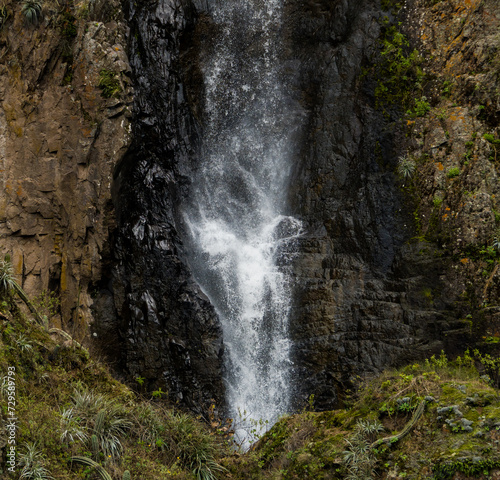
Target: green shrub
399 74
437 201
68 26
490 138
421 107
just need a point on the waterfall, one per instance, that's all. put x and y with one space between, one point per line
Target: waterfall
241 239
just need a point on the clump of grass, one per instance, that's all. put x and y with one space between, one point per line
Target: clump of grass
109 427
359 458
32 11
181 438
32 461
97 421
195 447
71 428
406 167
109 83
7 280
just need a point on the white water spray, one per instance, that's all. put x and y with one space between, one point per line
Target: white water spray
242 242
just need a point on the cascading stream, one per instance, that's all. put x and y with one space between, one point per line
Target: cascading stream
241 239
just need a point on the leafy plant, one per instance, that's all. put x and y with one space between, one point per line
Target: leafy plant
7 280
109 426
71 428
490 138
491 366
158 393
23 343
194 448
32 11
440 362
32 462
102 417
95 466
359 458
421 107
406 167
496 243
8 283
68 27
494 143
447 88
47 303
453 172
398 72
437 201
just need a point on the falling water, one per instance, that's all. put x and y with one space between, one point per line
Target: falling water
242 241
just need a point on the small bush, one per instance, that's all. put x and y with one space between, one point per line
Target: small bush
437 201
421 107
490 138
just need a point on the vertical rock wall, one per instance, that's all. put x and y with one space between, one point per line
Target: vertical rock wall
360 304
59 142
90 185
152 316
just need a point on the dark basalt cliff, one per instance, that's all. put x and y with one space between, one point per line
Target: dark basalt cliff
168 333
359 302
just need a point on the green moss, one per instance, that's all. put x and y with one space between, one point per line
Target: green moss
272 443
453 172
469 466
68 24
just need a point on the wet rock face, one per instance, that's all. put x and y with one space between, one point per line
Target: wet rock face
365 297
359 301
153 318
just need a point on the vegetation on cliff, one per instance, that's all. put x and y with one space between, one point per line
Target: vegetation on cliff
73 420
437 82
428 420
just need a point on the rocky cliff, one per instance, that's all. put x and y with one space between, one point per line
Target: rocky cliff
384 273
396 181
61 136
